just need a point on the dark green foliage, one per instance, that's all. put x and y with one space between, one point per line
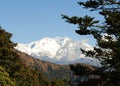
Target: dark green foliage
56 82
91 82
5 79
81 69
11 62
88 75
108 46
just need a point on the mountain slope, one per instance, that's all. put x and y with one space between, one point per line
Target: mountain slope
60 50
51 70
72 74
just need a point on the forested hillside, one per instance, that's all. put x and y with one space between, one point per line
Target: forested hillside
17 73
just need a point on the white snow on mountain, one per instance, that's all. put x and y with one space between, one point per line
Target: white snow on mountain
60 50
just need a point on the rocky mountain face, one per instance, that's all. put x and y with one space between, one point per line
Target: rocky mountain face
59 50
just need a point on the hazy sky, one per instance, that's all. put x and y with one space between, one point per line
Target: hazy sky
30 20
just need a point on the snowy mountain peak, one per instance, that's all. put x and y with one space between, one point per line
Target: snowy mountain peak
58 50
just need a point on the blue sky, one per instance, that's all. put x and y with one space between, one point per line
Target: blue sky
30 20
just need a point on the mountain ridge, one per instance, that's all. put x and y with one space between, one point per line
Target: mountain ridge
60 50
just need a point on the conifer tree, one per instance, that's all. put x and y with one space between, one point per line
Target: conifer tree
11 62
8 56
107 35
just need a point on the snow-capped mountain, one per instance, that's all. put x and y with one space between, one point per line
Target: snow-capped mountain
60 50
